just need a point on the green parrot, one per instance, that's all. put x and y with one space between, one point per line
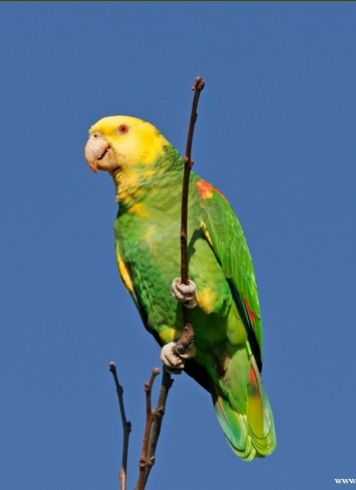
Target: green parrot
227 355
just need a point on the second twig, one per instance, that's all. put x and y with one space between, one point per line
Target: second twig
126 426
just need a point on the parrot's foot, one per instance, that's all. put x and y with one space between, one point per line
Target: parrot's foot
185 293
173 362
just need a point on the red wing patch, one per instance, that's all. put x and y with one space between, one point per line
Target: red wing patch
205 189
253 377
251 313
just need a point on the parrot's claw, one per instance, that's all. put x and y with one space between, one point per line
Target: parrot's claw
185 293
173 362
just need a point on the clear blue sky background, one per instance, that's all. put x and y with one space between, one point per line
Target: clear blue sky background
276 133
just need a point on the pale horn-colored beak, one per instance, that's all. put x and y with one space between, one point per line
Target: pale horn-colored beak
95 150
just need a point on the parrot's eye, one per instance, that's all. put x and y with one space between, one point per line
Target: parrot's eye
123 129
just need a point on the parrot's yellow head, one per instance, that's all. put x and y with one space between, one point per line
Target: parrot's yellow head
117 143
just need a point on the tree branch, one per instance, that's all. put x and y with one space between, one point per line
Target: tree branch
198 87
153 425
184 344
166 384
144 461
126 425
186 341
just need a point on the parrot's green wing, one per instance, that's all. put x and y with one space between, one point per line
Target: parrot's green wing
223 231
240 401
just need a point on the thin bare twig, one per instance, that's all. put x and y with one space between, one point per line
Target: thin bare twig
186 341
153 425
144 461
198 87
154 418
166 384
126 425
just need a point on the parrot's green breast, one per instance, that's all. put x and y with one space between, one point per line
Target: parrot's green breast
150 248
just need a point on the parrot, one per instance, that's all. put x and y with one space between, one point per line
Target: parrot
222 295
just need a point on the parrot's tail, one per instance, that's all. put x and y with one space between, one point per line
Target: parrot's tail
251 434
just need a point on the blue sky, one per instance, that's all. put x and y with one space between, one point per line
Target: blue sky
276 133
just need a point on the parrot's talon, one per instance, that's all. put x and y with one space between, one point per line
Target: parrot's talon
192 303
185 293
173 362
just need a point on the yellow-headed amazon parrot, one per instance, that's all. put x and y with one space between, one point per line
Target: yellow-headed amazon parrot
227 361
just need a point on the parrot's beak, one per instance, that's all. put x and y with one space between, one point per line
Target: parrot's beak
99 154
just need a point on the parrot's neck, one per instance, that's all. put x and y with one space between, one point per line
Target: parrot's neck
139 183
